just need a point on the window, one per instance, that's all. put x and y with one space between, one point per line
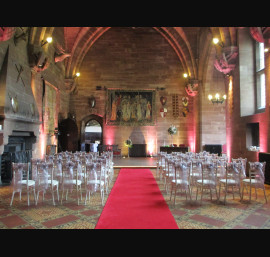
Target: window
260 76
252 136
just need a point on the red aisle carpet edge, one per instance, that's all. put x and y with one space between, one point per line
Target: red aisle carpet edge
135 202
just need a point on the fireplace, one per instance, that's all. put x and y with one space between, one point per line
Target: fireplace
18 149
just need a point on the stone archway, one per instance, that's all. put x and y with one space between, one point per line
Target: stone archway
84 122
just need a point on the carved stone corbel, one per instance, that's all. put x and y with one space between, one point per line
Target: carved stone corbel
192 87
60 54
70 85
225 63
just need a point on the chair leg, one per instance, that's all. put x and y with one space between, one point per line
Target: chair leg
226 189
256 191
175 193
37 197
53 196
57 193
171 193
12 198
189 189
265 194
219 190
242 194
250 193
217 194
28 200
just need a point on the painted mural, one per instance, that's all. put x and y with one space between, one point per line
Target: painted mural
130 107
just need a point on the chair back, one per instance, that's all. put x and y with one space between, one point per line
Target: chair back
68 175
257 172
42 176
182 173
20 173
91 177
209 174
234 171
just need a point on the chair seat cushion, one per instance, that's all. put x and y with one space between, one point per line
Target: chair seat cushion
53 182
206 182
180 182
30 182
95 182
79 182
229 181
252 181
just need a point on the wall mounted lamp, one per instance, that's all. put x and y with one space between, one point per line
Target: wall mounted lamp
78 74
185 75
217 99
48 40
217 42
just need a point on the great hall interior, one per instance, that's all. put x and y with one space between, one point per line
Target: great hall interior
148 102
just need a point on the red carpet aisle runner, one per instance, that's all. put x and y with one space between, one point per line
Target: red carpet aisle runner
135 202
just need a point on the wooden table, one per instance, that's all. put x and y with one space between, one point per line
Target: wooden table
174 149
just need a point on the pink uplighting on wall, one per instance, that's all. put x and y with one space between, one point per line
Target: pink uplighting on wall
42 138
150 147
229 117
110 135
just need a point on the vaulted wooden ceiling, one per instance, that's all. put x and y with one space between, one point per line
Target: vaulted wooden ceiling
191 44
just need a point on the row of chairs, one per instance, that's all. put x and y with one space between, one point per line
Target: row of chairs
213 173
64 172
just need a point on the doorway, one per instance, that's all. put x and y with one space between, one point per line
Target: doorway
91 133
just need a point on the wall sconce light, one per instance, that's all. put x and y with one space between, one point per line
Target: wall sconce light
217 42
48 40
217 99
266 50
185 75
78 74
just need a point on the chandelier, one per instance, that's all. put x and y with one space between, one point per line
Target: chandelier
217 99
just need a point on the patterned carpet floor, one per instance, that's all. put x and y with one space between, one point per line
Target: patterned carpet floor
187 214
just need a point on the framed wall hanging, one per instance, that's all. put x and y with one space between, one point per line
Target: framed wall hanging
131 107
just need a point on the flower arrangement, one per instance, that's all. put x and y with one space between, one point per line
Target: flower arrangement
172 130
128 143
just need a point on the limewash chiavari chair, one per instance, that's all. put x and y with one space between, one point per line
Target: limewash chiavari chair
21 182
208 180
168 172
161 164
195 172
180 179
94 181
72 177
41 179
256 179
243 161
233 176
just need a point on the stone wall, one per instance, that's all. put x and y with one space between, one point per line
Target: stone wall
28 90
134 59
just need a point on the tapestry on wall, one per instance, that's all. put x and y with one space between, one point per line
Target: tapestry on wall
50 107
131 107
